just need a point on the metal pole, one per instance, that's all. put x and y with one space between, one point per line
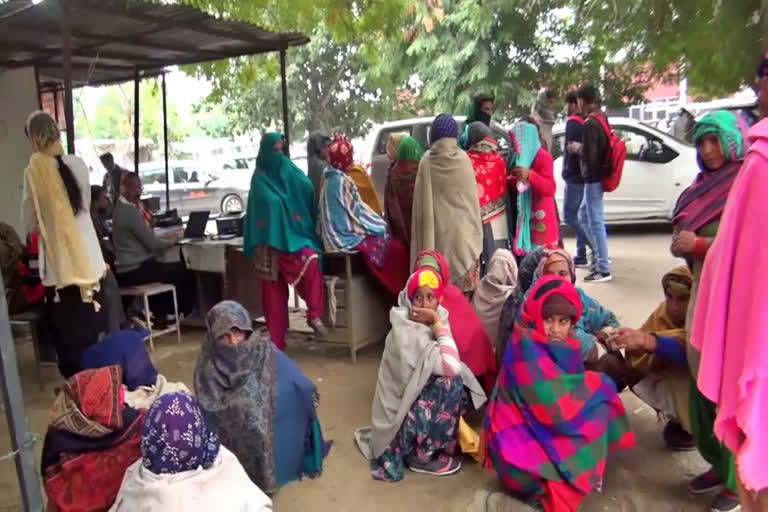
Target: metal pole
66 55
165 139
136 82
22 441
284 83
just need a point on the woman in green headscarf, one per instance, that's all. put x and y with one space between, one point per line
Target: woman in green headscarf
398 195
720 148
281 216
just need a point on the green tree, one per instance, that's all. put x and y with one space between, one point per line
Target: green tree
717 44
112 118
328 91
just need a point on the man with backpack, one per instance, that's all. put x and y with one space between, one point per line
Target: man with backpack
574 184
594 155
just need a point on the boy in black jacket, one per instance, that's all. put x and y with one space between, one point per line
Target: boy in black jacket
593 167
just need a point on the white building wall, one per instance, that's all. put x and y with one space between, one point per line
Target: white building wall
18 99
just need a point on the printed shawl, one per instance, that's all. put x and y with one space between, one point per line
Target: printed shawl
281 204
491 179
345 220
704 201
81 468
90 404
446 208
410 354
551 424
237 390
729 327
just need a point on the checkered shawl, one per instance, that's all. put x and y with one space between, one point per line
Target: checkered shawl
550 423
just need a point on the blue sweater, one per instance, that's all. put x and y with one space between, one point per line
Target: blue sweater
572 161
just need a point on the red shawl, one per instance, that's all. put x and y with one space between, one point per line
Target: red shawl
82 472
398 199
491 175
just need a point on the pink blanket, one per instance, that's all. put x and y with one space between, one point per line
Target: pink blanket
729 324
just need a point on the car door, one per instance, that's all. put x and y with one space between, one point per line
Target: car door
197 190
646 179
153 184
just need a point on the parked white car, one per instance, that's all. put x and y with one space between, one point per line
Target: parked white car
658 168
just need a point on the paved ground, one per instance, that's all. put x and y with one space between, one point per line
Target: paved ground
643 479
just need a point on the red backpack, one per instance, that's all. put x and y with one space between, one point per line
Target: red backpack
614 158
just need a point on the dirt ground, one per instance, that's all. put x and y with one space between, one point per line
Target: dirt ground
646 478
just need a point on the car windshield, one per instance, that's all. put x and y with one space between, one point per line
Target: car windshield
656 131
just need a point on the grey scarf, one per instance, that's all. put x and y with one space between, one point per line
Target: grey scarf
237 390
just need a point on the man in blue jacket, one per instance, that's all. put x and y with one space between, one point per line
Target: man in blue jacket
574 183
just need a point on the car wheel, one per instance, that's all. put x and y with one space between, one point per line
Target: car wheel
231 203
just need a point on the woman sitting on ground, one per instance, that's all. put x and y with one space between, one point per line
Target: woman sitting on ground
657 368
546 454
349 224
398 195
92 438
491 177
591 326
446 208
420 391
341 156
494 289
474 345
184 467
143 385
282 217
533 176
257 401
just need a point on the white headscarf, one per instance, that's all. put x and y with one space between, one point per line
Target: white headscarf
494 289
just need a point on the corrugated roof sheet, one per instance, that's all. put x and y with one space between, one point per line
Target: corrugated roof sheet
113 39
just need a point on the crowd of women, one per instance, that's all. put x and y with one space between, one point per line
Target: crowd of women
486 322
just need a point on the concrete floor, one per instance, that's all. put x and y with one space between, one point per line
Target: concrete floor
643 479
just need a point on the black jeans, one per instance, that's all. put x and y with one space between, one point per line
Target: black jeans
153 271
74 326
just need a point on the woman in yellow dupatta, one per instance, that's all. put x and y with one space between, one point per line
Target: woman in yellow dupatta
55 203
340 154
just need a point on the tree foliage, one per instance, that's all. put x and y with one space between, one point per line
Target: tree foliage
380 59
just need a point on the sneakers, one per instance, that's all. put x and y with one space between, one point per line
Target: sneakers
442 466
677 439
598 277
705 482
726 502
318 326
581 262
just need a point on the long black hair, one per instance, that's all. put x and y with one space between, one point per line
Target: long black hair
74 193
42 130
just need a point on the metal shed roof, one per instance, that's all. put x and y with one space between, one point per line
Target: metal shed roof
113 39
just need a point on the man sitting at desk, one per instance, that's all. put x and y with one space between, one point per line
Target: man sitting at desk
138 251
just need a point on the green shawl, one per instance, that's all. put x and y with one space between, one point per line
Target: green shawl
410 150
281 212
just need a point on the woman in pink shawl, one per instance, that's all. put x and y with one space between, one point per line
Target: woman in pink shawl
729 327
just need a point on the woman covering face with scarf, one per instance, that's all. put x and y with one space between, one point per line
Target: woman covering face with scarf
341 156
257 401
282 216
398 196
